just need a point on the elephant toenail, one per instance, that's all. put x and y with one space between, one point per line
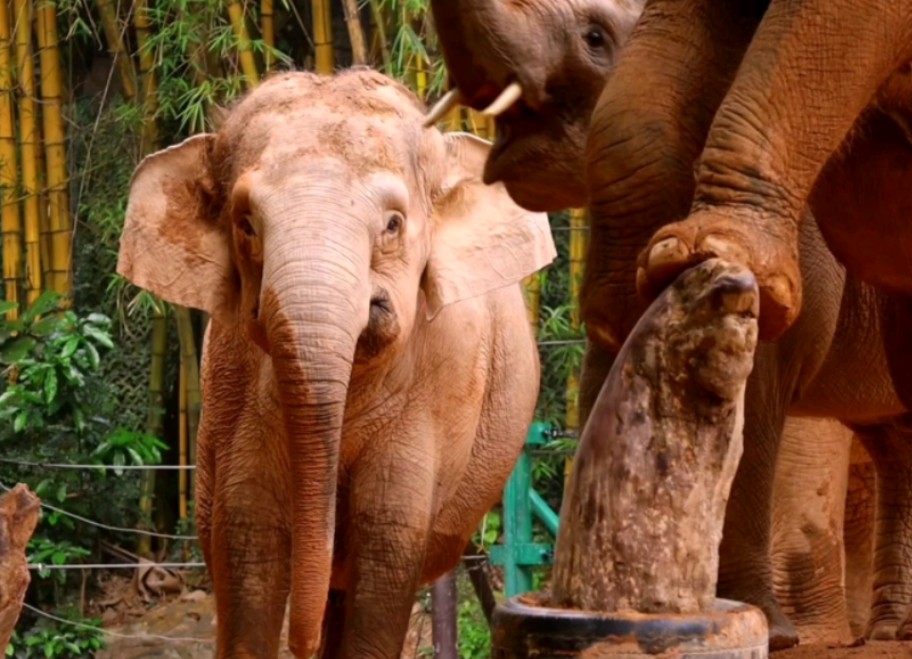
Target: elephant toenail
779 289
665 251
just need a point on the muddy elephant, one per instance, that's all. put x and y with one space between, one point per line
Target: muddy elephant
519 61
368 372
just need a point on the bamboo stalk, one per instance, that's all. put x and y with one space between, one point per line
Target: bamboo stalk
10 220
44 226
239 25
191 364
379 35
143 24
267 18
28 111
109 22
578 244
322 29
155 415
420 79
182 443
55 149
355 32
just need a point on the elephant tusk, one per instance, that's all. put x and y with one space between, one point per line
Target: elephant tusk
508 97
447 102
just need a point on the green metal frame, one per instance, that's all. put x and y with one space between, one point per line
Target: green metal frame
518 554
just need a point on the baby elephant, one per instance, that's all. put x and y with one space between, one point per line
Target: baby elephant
368 372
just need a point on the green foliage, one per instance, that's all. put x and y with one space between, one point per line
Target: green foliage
58 640
60 407
474 633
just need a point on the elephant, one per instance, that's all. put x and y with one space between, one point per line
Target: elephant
641 147
368 372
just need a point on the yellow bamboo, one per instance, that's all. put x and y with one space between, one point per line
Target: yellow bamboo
355 31
322 29
267 18
55 148
143 24
27 121
420 79
9 205
44 221
188 356
239 25
379 37
578 244
155 414
113 32
182 442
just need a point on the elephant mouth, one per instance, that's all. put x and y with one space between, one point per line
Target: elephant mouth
382 327
540 165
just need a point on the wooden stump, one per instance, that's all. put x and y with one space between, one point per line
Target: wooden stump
18 518
643 511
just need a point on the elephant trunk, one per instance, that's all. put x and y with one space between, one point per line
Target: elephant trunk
314 305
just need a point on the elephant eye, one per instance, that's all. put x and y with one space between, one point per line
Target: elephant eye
594 36
394 223
246 227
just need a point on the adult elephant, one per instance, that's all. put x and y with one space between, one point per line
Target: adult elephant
368 374
540 66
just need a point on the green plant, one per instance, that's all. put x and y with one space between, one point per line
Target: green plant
474 634
58 640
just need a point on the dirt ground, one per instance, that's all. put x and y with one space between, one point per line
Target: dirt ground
181 625
183 628
873 650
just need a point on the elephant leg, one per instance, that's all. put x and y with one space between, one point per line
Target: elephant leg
251 551
779 125
745 571
858 532
597 363
390 510
808 513
646 132
205 485
890 448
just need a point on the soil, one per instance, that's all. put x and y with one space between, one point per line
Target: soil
184 628
871 650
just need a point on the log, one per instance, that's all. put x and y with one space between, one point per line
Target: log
642 516
19 510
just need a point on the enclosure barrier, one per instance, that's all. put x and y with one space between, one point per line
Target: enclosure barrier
518 554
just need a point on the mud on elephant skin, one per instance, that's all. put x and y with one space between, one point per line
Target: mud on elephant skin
360 279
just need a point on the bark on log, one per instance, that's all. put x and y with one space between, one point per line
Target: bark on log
642 516
18 518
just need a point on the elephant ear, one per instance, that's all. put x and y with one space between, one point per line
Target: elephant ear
171 243
482 240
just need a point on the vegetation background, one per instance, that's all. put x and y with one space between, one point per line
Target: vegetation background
99 374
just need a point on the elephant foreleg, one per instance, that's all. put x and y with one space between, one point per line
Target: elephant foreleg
808 511
250 567
745 570
858 531
889 448
390 517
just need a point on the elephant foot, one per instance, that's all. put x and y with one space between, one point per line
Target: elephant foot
782 633
882 631
768 247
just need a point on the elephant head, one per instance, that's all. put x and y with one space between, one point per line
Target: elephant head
325 222
539 66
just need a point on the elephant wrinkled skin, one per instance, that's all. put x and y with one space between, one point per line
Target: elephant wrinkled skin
843 355
368 372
